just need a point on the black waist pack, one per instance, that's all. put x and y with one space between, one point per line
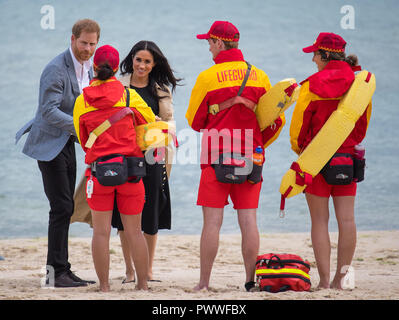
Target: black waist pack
256 175
339 170
115 169
136 168
359 168
231 168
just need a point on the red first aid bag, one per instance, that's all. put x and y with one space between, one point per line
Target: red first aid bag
282 272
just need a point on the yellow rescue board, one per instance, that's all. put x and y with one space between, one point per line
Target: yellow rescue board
334 132
153 135
275 101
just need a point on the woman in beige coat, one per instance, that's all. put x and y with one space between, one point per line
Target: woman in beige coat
146 70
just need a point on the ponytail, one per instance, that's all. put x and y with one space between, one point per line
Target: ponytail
352 59
104 72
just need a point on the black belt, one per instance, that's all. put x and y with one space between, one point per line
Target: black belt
135 165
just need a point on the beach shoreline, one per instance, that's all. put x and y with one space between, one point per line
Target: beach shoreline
375 266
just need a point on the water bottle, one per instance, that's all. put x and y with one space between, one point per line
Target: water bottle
359 151
359 163
257 159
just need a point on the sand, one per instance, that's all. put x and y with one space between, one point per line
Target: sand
375 265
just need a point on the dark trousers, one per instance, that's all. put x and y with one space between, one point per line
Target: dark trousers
59 177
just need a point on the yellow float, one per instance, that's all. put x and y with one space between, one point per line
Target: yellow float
334 132
153 135
275 101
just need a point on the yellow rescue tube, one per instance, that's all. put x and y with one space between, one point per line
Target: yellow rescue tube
275 101
153 135
334 132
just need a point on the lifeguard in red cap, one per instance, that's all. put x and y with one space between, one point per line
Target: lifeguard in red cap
319 97
222 107
105 116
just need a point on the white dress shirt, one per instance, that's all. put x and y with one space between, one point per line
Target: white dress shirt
82 71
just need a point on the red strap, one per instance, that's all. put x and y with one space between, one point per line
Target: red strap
283 196
116 159
236 100
173 137
368 77
302 178
308 179
356 68
159 154
290 89
119 115
282 203
295 166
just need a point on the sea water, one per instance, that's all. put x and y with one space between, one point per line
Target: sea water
272 36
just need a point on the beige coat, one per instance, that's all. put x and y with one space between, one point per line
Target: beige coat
82 210
165 113
165 104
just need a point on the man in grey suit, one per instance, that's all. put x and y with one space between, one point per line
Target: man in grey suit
51 141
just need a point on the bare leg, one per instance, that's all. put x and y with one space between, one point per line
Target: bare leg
151 243
319 213
345 213
126 255
213 218
138 247
250 241
100 246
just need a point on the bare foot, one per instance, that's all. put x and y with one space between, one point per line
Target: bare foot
200 287
105 288
142 284
150 275
323 286
336 285
142 287
129 277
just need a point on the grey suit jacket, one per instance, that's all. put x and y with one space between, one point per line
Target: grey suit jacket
52 126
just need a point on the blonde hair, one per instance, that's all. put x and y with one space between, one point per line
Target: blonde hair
228 44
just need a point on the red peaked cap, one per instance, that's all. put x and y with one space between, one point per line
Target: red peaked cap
223 30
106 54
327 41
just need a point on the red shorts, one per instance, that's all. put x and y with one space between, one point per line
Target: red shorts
321 188
214 194
130 197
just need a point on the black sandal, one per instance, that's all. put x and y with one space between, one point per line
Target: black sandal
125 281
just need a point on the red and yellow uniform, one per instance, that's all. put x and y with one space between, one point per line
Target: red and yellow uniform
234 129
96 104
319 97
217 84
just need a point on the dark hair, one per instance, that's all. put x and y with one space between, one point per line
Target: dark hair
104 71
161 74
352 59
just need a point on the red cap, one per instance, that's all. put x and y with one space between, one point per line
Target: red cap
223 30
327 41
106 54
